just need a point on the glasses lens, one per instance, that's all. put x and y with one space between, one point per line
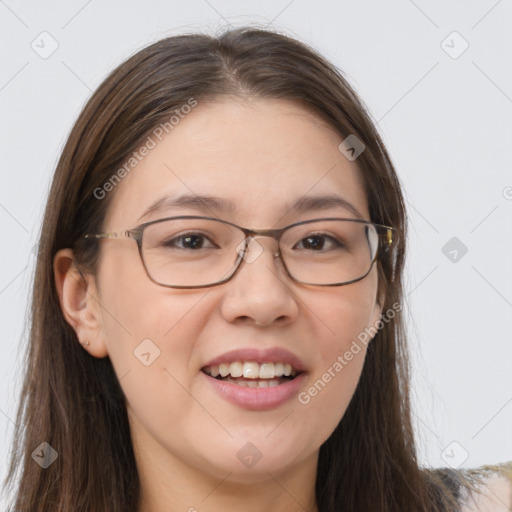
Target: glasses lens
329 251
190 252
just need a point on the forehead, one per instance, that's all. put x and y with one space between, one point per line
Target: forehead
260 156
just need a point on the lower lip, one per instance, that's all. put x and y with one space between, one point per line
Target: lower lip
256 399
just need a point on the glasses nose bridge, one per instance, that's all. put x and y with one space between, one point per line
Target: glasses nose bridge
266 233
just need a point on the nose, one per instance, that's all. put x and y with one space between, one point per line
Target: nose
260 292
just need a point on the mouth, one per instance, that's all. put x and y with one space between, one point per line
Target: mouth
252 374
256 379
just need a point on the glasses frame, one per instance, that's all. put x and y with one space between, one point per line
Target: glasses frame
385 242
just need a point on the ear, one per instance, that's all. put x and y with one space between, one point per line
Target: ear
79 302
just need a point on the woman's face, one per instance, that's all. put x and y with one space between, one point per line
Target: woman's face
260 157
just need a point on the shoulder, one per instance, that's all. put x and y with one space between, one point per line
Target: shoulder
487 488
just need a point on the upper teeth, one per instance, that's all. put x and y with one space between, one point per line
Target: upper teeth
251 370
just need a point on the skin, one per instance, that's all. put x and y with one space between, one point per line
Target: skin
261 155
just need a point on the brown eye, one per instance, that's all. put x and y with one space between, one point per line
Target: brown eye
191 241
317 242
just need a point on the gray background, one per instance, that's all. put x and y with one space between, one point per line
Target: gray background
444 115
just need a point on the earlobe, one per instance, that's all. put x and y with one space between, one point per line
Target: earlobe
78 302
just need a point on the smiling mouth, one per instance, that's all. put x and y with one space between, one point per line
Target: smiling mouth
251 374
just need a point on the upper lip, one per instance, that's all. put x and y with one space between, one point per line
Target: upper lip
258 355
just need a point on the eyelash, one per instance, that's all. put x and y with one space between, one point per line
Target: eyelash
171 242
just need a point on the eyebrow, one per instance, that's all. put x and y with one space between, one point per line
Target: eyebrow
210 204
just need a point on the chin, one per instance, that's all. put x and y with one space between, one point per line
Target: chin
252 462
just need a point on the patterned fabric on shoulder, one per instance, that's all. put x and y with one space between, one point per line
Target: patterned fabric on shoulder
486 488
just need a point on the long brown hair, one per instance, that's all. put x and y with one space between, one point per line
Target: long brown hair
73 401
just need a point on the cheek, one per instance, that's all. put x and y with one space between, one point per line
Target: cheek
343 314
329 390
150 334
137 311
153 359
147 332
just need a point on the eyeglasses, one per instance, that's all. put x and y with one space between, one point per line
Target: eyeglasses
195 252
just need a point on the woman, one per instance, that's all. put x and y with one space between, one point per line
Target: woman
216 320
